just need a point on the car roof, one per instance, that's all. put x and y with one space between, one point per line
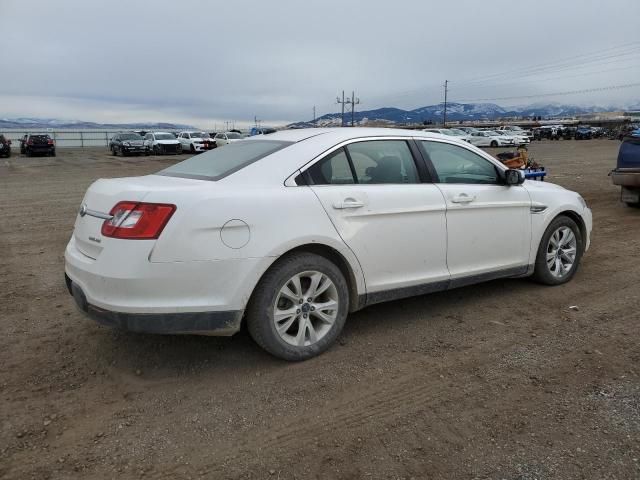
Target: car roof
340 134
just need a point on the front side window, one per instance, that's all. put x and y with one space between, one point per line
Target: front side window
383 161
455 164
333 169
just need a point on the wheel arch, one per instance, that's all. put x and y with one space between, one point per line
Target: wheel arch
355 285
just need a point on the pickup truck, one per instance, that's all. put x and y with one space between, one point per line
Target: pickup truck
627 171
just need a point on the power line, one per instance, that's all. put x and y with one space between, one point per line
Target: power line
569 92
561 63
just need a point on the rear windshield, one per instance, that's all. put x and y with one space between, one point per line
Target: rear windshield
218 163
40 137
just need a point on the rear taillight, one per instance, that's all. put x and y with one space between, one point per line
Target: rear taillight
137 220
30 142
50 142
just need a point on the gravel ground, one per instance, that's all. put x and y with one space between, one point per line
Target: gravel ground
493 381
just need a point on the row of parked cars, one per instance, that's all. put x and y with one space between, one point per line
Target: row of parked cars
505 136
160 143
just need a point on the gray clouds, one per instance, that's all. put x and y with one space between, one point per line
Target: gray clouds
202 62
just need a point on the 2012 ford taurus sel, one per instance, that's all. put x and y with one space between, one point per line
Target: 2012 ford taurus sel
293 231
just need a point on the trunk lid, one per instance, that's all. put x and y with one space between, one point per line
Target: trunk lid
104 194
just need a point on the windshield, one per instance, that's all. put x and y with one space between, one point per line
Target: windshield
164 136
234 136
130 136
199 135
219 163
457 132
491 132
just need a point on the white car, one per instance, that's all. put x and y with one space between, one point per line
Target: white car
516 131
195 142
452 132
513 136
486 138
292 231
226 138
162 142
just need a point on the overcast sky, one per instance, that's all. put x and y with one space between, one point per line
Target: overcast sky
204 62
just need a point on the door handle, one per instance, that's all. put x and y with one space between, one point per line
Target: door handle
463 198
348 203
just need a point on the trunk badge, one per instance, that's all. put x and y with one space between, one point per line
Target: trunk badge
83 210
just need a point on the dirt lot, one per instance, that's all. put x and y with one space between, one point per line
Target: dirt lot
499 381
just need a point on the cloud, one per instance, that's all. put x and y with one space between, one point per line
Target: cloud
200 62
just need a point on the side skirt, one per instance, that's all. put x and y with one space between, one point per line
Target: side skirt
426 288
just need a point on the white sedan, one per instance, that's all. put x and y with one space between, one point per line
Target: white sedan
292 231
487 138
225 138
452 132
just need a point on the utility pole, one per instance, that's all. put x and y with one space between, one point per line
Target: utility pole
354 101
314 116
341 102
444 113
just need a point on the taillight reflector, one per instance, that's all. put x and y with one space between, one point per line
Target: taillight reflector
137 220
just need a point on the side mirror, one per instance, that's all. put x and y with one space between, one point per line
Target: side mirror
513 177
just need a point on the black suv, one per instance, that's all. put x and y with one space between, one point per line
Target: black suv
41 144
5 146
127 143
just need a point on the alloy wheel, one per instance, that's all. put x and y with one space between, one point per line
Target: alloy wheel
305 309
561 252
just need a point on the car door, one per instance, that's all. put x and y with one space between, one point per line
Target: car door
488 222
388 213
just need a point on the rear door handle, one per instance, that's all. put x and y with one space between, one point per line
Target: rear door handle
348 203
463 198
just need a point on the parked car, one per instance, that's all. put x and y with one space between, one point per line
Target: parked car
583 132
627 171
515 130
128 144
5 146
225 138
452 132
161 143
40 144
488 138
261 131
196 142
294 230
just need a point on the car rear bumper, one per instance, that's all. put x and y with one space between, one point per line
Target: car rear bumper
626 178
223 323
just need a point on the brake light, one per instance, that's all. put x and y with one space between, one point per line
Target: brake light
50 142
137 220
30 142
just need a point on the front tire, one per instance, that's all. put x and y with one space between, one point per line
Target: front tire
299 307
192 149
179 150
494 143
559 253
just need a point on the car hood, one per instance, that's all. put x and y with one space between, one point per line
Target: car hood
135 143
167 142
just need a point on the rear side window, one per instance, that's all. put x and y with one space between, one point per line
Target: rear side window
221 162
333 169
455 164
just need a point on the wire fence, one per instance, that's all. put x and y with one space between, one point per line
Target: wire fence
66 138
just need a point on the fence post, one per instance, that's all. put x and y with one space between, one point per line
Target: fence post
81 140
106 139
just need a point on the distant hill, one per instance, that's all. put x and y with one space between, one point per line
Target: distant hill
44 123
455 112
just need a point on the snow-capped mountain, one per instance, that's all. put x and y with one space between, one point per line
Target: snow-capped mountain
43 123
455 112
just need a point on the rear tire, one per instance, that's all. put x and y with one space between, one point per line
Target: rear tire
179 150
305 326
633 204
559 253
114 152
